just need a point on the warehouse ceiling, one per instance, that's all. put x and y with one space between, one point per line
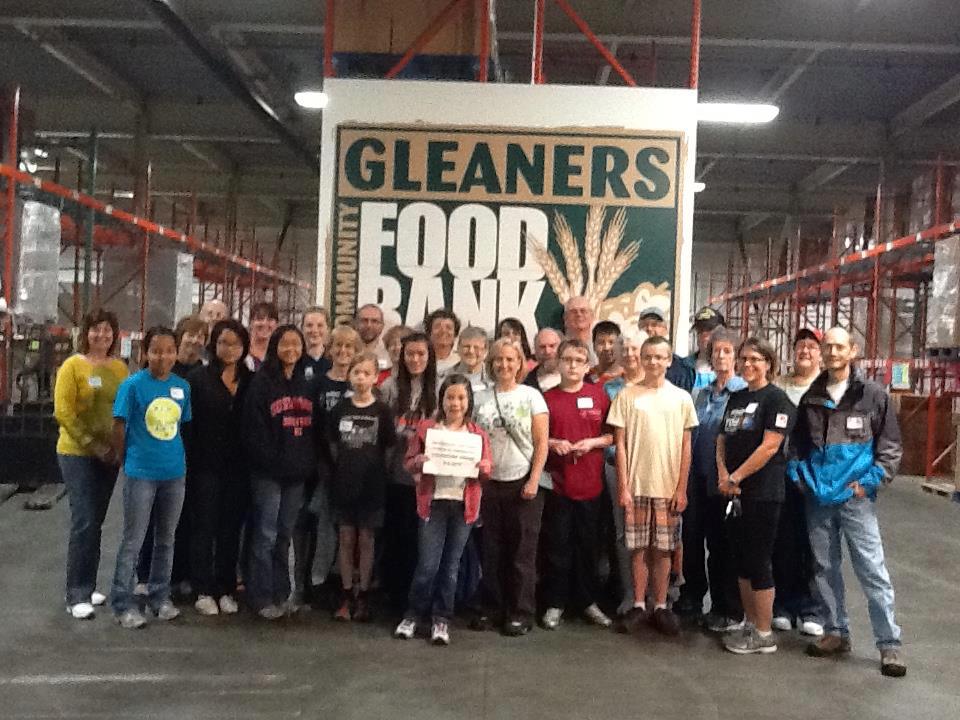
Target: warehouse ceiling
857 81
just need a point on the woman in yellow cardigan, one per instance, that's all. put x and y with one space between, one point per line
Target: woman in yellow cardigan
83 406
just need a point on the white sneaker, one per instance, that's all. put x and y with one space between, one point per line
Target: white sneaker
782 622
439 633
551 618
131 619
596 616
228 606
167 611
82 611
271 612
811 628
206 605
97 598
406 629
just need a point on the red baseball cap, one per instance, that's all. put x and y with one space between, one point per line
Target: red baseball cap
808 334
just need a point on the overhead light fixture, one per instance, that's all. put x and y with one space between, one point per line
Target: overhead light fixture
699 186
311 99
123 194
744 113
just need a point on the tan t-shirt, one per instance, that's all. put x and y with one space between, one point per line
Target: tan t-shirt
653 422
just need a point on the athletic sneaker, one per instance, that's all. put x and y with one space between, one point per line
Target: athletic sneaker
782 622
81 611
271 612
595 615
406 629
892 663
206 605
665 622
131 619
97 598
723 624
167 611
439 633
551 618
228 606
811 628
751 642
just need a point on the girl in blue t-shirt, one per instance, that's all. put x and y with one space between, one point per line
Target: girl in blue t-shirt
148 412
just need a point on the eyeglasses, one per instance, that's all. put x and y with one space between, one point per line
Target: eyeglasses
752 360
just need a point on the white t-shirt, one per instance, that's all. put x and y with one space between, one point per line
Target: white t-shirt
795 390
444 366
548 381
518 406
380 350
836 390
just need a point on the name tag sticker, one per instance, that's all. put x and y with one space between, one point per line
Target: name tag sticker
584 403
176 393
781 421
480 387
855 422
346 425
383 363
308 373
95 381
751 408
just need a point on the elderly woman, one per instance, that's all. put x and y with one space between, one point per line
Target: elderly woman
515 418
703 520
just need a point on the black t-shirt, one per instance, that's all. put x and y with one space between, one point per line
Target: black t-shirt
360 438
749 414
330 392
314 369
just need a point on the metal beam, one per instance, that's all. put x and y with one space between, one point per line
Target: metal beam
184 31
788 73
81 62
603 75
938 99
766 43
215 159
161 137
710 165
255 70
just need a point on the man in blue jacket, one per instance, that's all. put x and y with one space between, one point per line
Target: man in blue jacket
846 443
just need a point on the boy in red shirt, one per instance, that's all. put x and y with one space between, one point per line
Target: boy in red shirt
578 437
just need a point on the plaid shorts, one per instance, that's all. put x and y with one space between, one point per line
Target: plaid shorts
653 525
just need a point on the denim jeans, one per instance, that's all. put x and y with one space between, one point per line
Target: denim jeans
325 553
163 498
89 484
441 542
856 521
275 509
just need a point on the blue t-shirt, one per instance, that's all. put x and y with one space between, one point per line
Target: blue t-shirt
153 411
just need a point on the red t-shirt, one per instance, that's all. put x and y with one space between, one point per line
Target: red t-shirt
573 417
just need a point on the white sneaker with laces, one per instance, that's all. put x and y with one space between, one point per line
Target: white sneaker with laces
551 618
131 619
228 606
406 629
782 622
811 628
82 611
97 598
206 605
595 615
439 633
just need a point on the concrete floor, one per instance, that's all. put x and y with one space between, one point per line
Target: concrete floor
212 668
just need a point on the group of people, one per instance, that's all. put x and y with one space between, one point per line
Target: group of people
600 447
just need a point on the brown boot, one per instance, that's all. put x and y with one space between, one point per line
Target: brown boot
829 646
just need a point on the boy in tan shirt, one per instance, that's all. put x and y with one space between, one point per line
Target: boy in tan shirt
652 423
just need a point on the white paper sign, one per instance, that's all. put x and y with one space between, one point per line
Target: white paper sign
452 453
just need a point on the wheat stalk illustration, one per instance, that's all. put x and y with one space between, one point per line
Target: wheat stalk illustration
605 260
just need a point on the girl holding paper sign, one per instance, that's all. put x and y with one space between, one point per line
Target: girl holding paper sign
448 507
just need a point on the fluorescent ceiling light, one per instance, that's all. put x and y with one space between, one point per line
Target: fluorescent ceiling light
311 99
124 194
747 113
699 186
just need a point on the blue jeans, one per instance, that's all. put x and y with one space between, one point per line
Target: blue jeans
164 499
441 540
856 521
89 484
275 509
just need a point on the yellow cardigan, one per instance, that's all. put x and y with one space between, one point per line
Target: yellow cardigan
83 402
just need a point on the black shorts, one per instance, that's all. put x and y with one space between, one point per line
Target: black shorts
754 534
